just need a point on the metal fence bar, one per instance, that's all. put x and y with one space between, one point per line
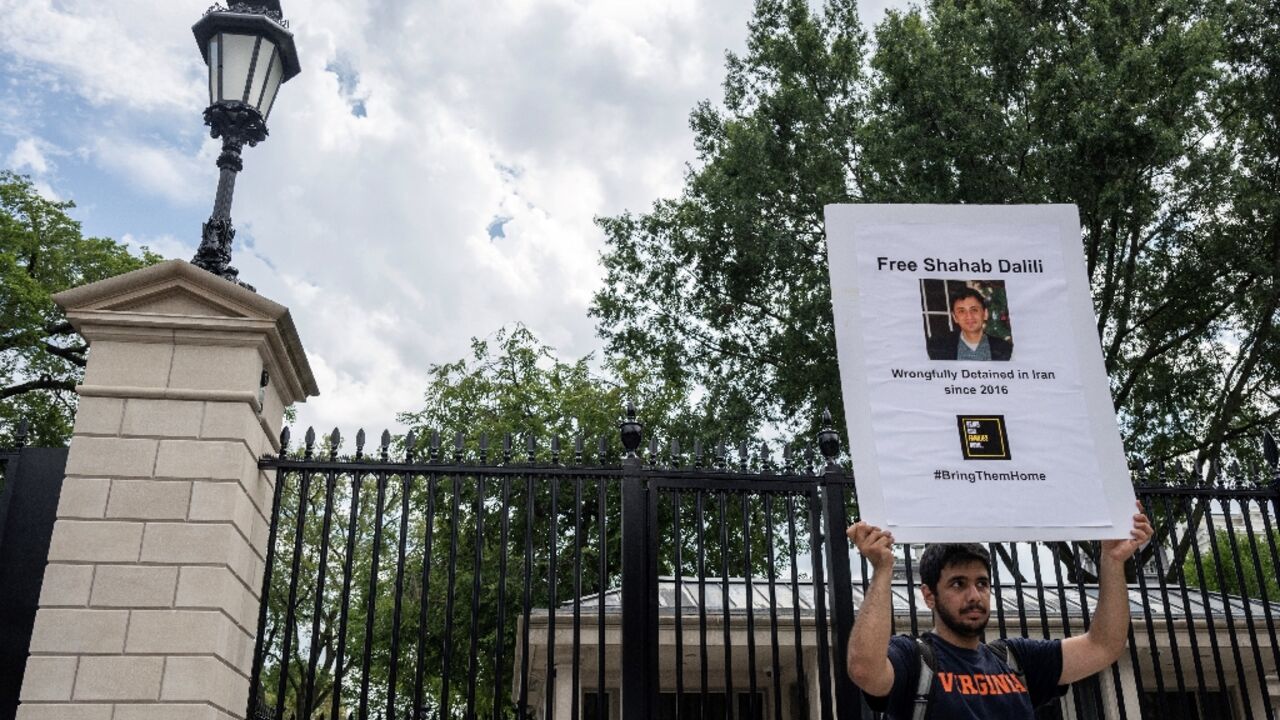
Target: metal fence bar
1192 510
1247 596
792 538
820 606
726 631
1232 633
636 701
601 585
290 617
343 614
678 599
774 649
501 635
330 482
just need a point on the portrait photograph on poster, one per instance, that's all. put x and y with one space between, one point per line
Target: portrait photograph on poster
966 319
977 403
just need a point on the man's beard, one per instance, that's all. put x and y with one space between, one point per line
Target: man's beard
960 626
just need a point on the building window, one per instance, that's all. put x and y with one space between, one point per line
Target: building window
692 706
1205 705
591 705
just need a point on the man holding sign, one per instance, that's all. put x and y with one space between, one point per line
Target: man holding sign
951 449
967 678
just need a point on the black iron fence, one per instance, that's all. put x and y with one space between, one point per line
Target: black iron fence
30 484
456 580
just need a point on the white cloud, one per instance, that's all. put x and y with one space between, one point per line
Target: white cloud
374 229
166 246
27 156
153 167
135 52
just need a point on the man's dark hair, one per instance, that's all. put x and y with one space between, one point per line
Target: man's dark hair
938 556
968 293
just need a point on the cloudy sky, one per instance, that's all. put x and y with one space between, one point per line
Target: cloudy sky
432 175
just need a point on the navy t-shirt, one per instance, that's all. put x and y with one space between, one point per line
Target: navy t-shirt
974 683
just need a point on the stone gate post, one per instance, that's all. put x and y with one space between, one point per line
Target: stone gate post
150 599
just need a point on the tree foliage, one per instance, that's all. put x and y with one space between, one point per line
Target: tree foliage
1158 120
42 358
514 384
1229 561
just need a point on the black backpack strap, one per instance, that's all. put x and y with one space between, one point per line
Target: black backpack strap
1008 656
924 680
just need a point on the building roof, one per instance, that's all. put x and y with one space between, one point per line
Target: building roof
1055 604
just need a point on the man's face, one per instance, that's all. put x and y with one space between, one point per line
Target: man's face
969 315
962 599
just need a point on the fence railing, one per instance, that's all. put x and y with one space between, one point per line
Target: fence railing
468 582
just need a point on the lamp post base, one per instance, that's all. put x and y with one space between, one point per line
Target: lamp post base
214 254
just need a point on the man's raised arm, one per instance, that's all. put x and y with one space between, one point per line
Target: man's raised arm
868 654
1090 653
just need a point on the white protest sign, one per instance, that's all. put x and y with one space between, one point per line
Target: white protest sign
972 374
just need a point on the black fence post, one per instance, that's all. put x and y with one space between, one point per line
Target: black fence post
839 577
637 683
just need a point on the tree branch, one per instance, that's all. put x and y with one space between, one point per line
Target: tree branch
44 383
73 355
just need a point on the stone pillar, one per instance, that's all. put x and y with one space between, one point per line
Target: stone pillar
149 607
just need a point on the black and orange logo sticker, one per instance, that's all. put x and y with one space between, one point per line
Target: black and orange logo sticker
983 437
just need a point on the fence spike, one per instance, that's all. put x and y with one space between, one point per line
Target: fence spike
23 434
484 447
602 449
384 444
721 454
555 449
675 452
506 449
828 439
577 449
435 445
457 447
530 445
410 446
653 451
787 457
631 431
743 460
697 453
310 440
764 456
284 440
359 442
335 442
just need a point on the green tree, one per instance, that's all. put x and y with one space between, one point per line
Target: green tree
1231 559
725 287
42 358
514 384
1155 119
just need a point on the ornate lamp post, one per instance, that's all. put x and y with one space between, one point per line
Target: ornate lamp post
250 53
